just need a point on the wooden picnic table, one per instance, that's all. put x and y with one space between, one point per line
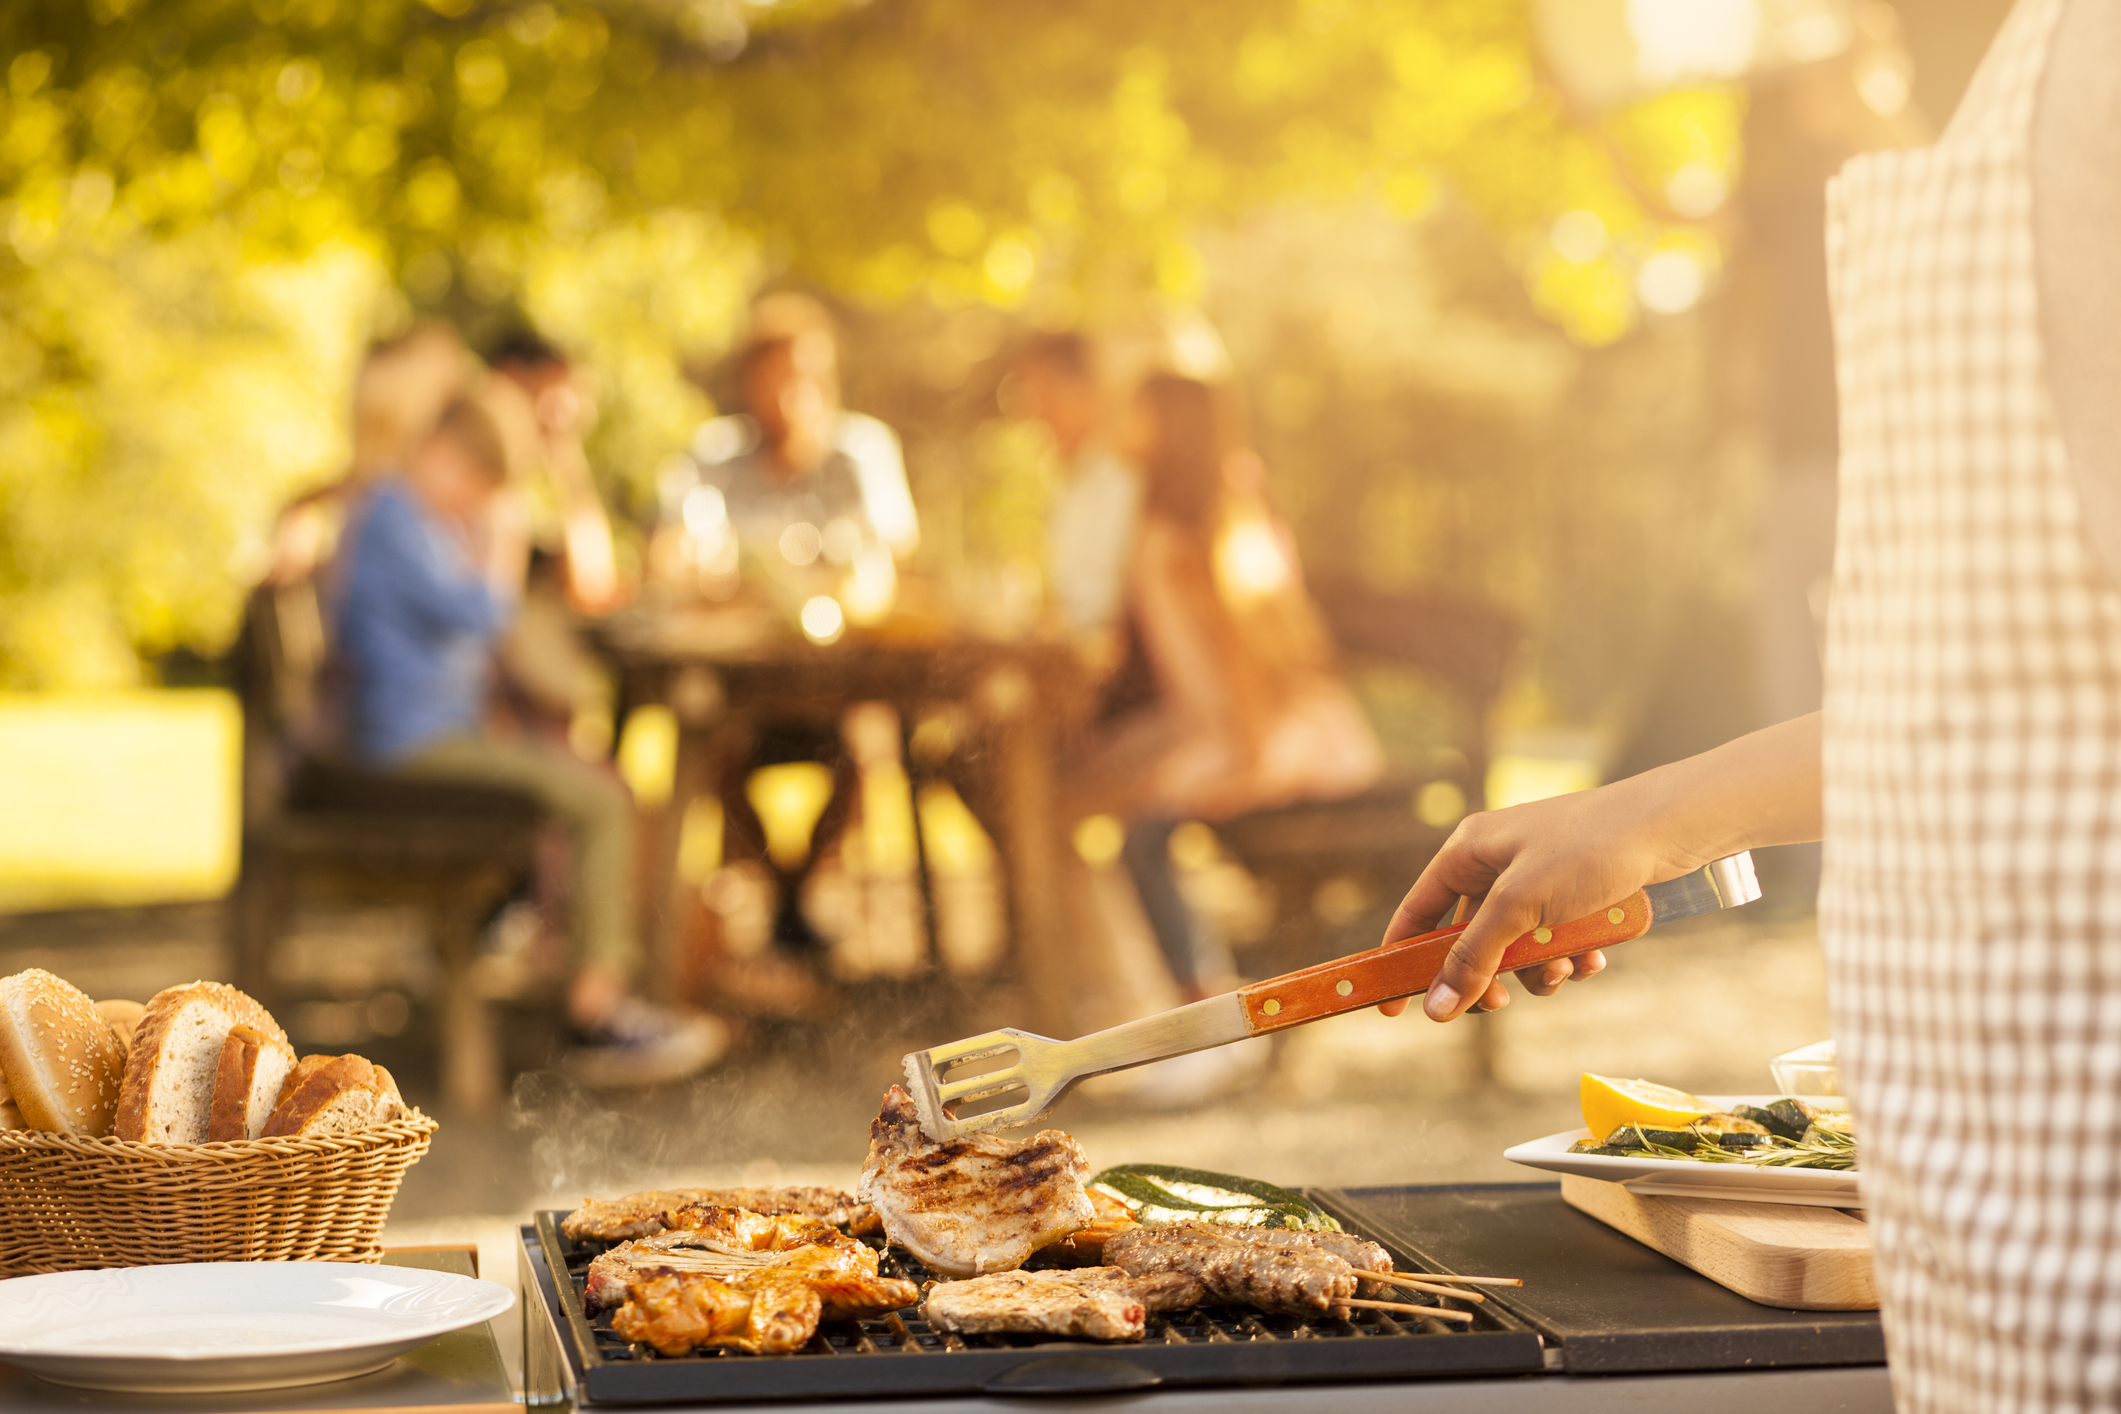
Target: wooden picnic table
726 673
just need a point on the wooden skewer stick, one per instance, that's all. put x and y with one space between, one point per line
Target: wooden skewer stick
1441 1313
1463 1281
1430 1287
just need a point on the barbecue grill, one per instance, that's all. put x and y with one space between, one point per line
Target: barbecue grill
1595 1302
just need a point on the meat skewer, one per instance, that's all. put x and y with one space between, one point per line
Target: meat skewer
1298 1273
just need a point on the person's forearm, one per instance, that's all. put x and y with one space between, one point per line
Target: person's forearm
585 529
1762 789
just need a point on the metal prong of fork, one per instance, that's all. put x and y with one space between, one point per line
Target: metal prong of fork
978 1047
979 1087
945 1056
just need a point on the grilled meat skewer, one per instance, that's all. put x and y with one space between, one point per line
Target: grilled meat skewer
1270 1268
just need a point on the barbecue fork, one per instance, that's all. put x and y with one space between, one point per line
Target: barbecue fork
1046 1069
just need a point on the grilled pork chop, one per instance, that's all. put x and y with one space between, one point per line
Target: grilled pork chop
1243 1266
1098 1303
974 1205
641 1214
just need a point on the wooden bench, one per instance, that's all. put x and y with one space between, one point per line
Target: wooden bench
317 832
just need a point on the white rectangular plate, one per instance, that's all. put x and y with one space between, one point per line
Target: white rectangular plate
1685 1178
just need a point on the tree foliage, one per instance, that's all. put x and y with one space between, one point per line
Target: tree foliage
208 205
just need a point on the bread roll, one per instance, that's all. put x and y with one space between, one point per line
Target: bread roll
124 1019
338 1096
10 1117
176 1055
254 1068
393 1104
61 1061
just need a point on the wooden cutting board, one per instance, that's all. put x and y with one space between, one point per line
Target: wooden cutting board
1801 1259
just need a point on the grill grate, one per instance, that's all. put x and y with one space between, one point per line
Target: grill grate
901 1354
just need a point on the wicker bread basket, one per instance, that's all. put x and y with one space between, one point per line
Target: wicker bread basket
69 1203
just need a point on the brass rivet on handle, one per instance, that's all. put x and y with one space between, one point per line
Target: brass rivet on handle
1344 986
1616 915
1271 1006
1542 935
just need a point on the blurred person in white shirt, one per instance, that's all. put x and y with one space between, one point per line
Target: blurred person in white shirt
1096 515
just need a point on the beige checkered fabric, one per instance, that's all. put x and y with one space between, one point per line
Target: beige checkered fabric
1971 907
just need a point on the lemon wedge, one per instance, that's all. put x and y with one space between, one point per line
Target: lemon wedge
1608 1104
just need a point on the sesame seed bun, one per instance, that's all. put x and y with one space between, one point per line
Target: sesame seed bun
62 1063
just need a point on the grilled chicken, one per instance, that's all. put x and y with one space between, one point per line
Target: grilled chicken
1243 1266
726 1242
1097 1303
976 1205
677 1313
747 1281
1085 1247
641 1214
773 1310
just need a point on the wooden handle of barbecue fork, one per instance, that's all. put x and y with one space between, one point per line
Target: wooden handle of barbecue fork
1410 965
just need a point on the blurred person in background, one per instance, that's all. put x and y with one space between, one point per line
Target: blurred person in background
813 499
1961 774
401 388
430 576
796 458
549 681
1225 699
1091 529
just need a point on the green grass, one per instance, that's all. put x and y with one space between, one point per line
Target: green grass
117 798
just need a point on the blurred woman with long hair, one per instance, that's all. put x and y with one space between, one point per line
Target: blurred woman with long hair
1225 700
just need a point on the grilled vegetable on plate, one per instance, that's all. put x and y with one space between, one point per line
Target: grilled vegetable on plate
1661 1140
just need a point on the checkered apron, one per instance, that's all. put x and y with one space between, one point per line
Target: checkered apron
1971 904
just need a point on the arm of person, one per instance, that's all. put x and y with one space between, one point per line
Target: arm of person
1193 681
411 577
585 529
1555 860
880 471
504 545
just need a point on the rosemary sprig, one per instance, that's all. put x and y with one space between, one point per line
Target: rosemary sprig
1818 1149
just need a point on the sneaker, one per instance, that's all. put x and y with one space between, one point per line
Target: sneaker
643 1044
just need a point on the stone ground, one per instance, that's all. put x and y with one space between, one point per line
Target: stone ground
1359 1100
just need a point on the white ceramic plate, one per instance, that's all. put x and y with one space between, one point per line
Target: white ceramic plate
200 1326
1684 1178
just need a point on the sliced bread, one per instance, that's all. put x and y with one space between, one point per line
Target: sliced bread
61 1061
176 1056
338 1096
253 1070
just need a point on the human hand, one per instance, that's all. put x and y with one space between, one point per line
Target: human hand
1540 864
1554 861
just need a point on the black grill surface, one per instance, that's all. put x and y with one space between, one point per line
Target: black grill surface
899 1354
1612 1305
